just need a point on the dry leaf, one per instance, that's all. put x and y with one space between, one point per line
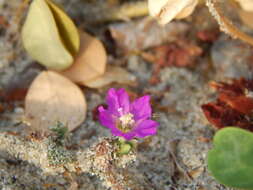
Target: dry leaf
247 17
90 62
49 35
66 27
112 74
166 10
187 11
233 107
146 33
246 5
53 98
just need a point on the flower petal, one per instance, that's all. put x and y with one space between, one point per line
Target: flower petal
141 108
106 118
123 99
112 101
146 128
118 99
127 136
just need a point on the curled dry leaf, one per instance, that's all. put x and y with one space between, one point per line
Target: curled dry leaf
90 62
246 5
49 35
53 98
67 29
112 74
166 10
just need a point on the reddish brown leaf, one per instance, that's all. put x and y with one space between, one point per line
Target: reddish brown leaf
208 35
222 116
237 87
179 54
233 107
241 104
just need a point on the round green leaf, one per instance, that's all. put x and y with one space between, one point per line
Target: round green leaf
41 38
66 28
231 159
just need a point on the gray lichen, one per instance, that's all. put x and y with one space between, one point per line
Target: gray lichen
101 159
57 154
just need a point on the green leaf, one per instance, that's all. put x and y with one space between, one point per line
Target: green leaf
66 28
49 36
231 159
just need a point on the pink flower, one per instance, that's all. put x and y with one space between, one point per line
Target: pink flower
127 119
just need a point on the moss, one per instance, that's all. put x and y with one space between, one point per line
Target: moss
57 153
59 132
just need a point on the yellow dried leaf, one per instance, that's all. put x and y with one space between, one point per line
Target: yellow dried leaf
112 74
49 36
90 62
53 98
246 5
166 10
66 28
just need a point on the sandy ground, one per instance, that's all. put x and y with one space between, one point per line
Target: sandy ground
174 159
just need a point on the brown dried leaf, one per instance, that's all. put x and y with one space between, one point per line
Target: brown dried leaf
180 54
146 33
233 107
53 98
208 35
220 115
90 62
112 74
241 104
236 88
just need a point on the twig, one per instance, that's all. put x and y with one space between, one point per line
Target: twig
225 24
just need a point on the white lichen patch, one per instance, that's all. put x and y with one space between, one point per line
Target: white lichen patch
53 158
